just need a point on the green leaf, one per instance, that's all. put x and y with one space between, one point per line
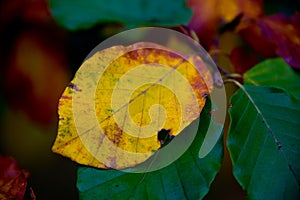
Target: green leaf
189 177
264 142
274 72
83 14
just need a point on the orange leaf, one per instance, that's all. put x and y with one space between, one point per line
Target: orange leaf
122 97
209 15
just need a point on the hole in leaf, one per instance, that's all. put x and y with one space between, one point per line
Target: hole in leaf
164 136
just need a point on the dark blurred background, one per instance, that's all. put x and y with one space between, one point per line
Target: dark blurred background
38 59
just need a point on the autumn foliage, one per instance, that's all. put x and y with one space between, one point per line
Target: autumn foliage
254 42
13 180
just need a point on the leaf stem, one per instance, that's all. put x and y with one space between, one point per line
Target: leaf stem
233 75
277 142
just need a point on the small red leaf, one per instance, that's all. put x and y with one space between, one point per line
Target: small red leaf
13 180
286 33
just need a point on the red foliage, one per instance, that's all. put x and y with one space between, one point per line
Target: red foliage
13 180
36 75
285 32
208 16
242 60
268 36
274 35
35 71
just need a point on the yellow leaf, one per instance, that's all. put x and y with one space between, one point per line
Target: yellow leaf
121 97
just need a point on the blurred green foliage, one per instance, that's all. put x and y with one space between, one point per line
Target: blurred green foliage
84 14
